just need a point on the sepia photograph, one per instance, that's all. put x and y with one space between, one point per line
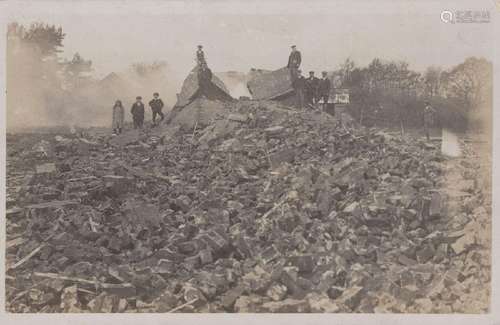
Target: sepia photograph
249 157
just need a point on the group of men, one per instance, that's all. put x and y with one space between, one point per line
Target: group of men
156 104
311 90
138 110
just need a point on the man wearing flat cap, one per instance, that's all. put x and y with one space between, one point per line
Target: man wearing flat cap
138 113
156 105
299 85
312 84
294 59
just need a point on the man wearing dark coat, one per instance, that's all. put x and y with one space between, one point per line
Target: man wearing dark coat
138 113
312 84
324 89
294 59
156 105
200 56
299 85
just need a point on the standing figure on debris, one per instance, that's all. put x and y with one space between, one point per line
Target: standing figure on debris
324 87
156 105
299 85
138 113
200 56
312 84
294 59
429 112
118 117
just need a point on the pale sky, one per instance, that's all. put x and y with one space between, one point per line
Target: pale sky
242 35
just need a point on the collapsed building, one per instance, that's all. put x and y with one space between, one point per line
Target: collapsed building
198 100
245 206
261 209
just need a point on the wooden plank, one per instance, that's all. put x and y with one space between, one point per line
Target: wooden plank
15 242
26 258
51 204
103 285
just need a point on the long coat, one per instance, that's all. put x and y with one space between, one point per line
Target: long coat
118 117
324 87
294 59
312 84
137 111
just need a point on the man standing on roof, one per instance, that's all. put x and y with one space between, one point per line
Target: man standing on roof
200 56
156 105
294 59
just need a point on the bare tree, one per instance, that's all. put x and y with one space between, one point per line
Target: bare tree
77 71
432 81
470 81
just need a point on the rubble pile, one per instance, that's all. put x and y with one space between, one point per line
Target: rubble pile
261 209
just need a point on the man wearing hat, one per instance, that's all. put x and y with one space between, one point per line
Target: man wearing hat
294 59
138 113
311 88
299 85
324 88
200 56
156 105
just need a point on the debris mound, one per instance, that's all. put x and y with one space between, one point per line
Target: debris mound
200 112
260 209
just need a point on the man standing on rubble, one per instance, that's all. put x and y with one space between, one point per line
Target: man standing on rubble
429 112
138 113
200 56
312 84
299 85
294 59
324 89
156 105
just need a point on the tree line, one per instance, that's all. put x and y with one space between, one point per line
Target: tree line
43 85
388 92
46 89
